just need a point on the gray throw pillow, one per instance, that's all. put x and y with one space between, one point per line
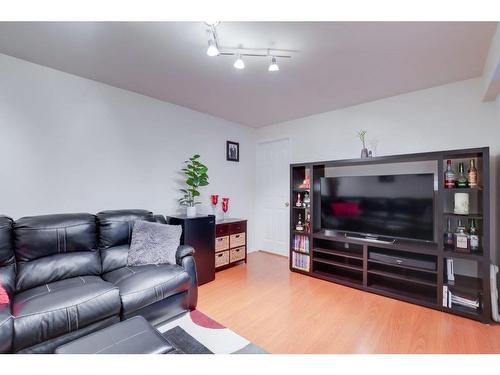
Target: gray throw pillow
153 243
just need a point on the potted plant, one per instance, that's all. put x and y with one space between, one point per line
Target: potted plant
196 176
362 138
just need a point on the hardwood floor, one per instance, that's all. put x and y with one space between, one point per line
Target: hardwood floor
285 312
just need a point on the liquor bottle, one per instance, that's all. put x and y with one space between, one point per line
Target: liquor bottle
299 227
307 225
474 237
299 202
462 178
462 242
448 236
449 176
472 174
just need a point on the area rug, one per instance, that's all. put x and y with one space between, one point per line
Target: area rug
196 333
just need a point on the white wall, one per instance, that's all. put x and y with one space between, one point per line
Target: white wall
445 117
69 144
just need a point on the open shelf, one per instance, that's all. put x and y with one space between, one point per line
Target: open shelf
302 233
338 264
468 189
339 279
460 216
342 253
416 276
471 256
300 251
300 190
395 276
466 312
466 284
372 261
420 294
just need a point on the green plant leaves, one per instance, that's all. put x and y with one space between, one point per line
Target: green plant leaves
196 173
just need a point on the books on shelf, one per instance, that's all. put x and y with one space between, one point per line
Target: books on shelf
454 298
301 243
300 261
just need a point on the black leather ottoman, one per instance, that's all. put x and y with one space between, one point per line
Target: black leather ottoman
132 336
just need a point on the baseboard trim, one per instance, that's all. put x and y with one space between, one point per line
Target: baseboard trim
270 253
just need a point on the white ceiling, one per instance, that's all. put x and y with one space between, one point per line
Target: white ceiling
338 64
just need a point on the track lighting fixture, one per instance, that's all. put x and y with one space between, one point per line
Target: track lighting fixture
239 64
212 49
274 66
215 49
212 23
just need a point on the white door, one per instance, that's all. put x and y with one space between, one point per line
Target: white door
273 192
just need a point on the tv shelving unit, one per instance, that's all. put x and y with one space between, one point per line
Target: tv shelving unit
346 261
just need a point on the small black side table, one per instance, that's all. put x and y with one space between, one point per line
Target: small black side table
199 232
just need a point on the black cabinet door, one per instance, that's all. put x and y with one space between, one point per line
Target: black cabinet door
199 232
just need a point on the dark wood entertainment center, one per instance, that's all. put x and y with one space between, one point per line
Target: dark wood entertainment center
347 261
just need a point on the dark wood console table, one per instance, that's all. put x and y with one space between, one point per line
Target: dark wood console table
230 242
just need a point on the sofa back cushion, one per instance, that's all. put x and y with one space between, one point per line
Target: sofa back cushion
115 226
54 247
115 234
6 241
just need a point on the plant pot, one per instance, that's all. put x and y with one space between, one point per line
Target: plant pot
364 153
191 211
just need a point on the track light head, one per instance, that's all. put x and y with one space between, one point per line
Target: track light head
212 23
273 67
239 64
212 49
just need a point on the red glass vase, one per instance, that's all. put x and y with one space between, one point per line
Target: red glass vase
225 204
215 199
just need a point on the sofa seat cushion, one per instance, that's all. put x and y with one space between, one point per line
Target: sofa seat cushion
141 286
61 307
6 330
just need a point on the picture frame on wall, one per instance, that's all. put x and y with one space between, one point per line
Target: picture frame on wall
232 151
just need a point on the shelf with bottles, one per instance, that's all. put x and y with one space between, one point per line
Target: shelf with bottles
301 222
463 174
300 261
463 235
301 200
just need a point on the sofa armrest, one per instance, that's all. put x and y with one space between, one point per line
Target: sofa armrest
184 258
183 251
160 219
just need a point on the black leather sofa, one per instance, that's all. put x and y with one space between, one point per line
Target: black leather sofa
64 276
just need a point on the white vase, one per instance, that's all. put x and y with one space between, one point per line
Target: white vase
191 211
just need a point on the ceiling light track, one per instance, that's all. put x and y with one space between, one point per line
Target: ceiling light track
215 49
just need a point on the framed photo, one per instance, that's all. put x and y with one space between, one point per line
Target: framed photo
232 151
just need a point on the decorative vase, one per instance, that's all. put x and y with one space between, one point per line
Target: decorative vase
191 211
364 153
225 206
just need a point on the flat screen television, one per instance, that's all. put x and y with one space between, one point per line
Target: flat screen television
394 206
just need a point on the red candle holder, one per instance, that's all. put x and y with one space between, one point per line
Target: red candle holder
225 205
215 199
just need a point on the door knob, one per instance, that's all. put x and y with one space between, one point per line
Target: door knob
287 204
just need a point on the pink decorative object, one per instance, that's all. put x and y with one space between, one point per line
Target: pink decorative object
225 204
215 199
